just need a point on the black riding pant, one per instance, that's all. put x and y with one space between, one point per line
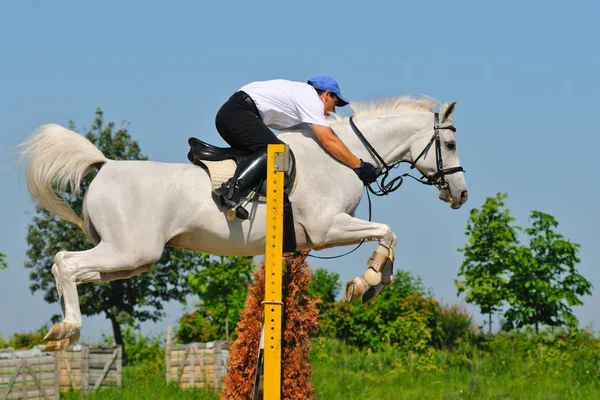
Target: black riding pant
240 125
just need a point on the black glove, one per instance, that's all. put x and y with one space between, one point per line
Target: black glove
366 172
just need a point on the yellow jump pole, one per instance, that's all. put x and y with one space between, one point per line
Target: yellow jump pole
273 305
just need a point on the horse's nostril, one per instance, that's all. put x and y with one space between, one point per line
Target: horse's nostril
464 195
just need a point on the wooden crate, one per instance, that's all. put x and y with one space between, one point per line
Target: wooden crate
29 378
90 367
196 364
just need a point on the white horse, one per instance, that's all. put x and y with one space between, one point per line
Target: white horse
133 209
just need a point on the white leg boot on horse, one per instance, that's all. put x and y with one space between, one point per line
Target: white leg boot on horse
379 274
350 230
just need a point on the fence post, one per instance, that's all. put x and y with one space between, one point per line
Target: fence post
120 367
57 373
191 366
218 364
168 355
85 368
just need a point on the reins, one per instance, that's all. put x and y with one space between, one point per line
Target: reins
384 188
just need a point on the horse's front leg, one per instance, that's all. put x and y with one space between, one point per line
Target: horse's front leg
347 230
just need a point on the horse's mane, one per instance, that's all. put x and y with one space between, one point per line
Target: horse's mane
390 105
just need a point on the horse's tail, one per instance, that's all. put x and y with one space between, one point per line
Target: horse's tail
56 158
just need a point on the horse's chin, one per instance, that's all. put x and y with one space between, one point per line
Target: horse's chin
446 196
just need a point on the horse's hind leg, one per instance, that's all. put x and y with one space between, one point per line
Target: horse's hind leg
72 268
114 276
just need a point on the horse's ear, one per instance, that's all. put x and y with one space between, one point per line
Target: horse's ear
447 111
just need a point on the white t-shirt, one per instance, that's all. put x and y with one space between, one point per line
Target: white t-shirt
283 104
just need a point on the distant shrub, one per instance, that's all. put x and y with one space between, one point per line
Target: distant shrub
25 340
369 325
405 316
413 329
140 349
198 326
453 323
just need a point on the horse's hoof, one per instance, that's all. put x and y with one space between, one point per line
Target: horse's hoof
74 338
349 293
355 289
58 345
60 331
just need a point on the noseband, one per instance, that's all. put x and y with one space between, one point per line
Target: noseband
437 179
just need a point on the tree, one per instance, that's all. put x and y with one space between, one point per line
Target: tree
488 255
325 286
3 264
222 286
544 282
129 301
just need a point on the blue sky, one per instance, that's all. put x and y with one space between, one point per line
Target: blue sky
525 75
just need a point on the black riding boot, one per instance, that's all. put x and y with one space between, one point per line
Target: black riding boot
248 174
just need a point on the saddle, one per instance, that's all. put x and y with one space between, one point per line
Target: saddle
221 163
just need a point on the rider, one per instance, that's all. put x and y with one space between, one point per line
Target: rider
244 122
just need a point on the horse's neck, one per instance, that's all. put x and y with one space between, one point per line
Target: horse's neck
390 136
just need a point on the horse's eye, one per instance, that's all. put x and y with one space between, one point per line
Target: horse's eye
451 145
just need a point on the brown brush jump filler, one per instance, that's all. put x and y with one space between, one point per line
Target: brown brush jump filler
299 321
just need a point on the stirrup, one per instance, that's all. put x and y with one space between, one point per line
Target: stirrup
236 209
238 212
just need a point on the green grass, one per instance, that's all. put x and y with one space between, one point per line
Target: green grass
341 374
147 382
370 377
344 373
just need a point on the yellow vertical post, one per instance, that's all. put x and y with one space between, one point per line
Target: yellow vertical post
273 305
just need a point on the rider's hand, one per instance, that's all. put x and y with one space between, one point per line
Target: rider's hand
366 172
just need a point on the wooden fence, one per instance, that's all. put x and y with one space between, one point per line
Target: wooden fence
29 378
43 377
196 364
91 367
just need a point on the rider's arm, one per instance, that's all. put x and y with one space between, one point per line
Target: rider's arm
335 146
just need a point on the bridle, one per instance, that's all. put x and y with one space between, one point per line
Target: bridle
437 179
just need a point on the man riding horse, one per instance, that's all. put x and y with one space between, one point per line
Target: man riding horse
244 122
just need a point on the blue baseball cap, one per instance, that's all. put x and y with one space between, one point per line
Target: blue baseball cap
328 83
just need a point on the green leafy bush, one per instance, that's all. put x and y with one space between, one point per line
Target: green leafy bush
413 329
25 340
403 315
199 326
141 349
453 323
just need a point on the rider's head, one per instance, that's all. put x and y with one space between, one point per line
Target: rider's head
329 92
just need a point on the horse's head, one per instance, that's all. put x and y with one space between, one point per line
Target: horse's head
406 130
434 153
